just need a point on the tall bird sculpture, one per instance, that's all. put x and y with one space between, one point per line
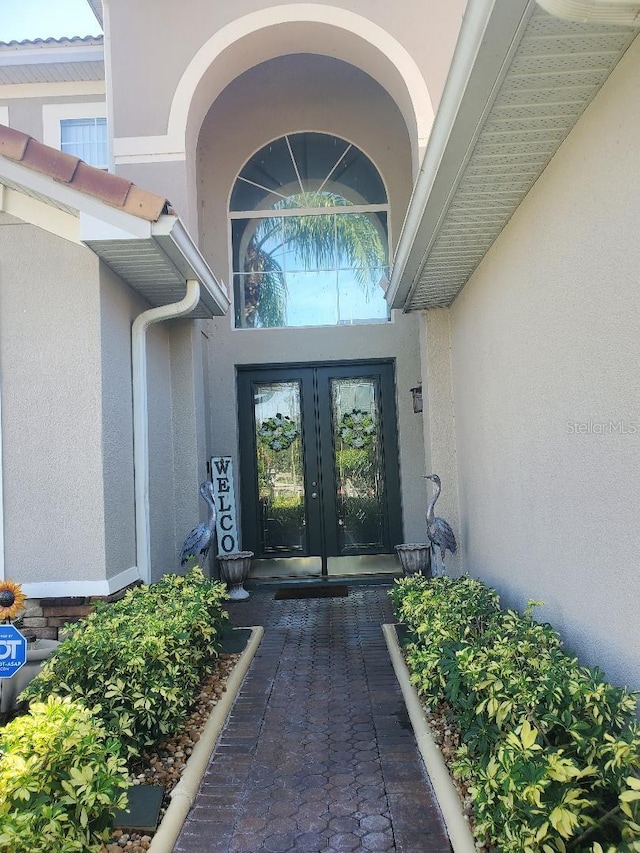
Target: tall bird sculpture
198 542
439 533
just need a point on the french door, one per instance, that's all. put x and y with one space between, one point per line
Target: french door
319 467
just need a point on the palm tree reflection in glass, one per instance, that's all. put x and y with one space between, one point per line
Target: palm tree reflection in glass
327 242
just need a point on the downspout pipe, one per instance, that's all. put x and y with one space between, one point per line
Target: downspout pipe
141 417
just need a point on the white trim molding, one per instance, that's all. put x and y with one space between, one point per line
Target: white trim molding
172 145
53 114
86 589
63 89
38 213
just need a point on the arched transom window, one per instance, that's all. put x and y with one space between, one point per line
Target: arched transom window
309 235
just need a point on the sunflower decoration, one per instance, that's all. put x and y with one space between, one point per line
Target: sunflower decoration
357 429
12 600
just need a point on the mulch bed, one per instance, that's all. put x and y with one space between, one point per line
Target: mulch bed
164 764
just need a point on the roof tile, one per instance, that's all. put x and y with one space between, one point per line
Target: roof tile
64 168
56 164
12 143
112 189
145 204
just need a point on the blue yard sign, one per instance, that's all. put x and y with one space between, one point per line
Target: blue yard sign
13 650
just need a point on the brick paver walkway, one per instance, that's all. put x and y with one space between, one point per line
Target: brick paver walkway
318 753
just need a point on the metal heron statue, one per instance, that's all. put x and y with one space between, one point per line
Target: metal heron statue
199 541
439 533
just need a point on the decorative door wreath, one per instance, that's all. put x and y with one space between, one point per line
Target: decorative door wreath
357 429
278 433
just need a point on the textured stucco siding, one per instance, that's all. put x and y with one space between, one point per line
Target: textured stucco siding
439 421
51 408
119 306
545 355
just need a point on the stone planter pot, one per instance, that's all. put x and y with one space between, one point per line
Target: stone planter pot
415 558
234 570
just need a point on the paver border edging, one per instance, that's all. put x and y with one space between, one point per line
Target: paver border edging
184 793
460 834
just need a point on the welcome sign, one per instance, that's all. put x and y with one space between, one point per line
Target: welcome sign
225 501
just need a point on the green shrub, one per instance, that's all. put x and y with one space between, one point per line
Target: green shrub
551 750
61 780
136 663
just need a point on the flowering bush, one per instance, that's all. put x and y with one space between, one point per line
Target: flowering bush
61 780
136 663
551 751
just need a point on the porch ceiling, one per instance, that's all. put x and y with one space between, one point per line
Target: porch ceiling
529 78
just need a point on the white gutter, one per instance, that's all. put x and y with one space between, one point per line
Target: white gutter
141 416
47 54
485 22
474 24
170 233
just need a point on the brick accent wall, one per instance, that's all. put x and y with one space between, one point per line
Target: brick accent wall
43 618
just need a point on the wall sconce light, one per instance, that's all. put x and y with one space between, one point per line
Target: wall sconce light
416 394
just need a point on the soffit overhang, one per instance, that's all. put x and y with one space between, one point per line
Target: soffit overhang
96 8
52 60
520 80
154 258
158 266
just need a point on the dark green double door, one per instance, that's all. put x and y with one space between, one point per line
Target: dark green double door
319 468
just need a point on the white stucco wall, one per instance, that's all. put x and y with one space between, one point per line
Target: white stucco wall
545 355
141 36
26 113
439 423
118 306
51 408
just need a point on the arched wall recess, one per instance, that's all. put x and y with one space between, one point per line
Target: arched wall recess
387 61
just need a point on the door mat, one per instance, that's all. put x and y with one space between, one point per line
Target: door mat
311 591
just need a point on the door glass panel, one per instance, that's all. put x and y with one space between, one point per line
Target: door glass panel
281 496
358 464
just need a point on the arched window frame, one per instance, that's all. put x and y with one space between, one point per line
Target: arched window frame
355 203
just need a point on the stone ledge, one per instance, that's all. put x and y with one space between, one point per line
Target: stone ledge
183 795
460 835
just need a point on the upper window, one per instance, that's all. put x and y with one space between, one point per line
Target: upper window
86 138
309 235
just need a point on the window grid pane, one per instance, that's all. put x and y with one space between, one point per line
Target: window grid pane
85 138
322 266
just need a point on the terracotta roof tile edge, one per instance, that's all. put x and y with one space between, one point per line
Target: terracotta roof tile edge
113 190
